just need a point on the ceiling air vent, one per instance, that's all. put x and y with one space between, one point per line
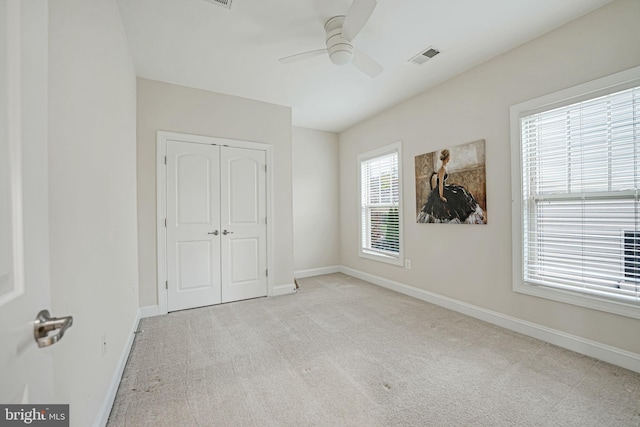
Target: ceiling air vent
425 55
223 3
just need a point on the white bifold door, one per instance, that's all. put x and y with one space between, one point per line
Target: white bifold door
216 224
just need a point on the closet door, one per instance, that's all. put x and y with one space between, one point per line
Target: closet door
243 223
193 221
216 224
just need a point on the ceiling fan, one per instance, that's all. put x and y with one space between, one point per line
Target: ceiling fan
341 30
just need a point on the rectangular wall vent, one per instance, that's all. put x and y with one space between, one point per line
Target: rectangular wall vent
425 55
223 3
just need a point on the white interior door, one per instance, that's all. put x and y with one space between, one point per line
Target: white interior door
243 221
193 225
216 224
26 371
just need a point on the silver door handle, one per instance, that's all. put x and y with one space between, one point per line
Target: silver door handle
45 323
214 232
225 232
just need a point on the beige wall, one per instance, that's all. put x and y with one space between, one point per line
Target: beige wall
316 225
163 106
92 197
473 263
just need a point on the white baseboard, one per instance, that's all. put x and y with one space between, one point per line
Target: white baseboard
149 311
609 354
287 289
117 376
301 274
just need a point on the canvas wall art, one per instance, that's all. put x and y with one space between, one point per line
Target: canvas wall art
451 185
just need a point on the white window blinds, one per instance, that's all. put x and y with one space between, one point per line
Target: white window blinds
380 216
580 198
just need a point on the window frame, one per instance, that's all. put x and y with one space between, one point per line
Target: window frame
362 251
596 88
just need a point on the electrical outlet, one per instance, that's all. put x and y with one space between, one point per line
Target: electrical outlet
407 264
104 344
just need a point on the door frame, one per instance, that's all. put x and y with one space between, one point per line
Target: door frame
161 201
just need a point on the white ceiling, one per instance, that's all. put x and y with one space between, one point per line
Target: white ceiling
203 45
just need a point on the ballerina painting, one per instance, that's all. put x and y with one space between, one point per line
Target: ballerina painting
452 191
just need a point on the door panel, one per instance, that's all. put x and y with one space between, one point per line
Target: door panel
26 371
193 215
194 265
243 188
245 260
243 182
194 192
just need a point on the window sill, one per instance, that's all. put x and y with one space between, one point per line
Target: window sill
621 308
374 256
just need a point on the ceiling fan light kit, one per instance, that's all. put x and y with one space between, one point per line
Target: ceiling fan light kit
340 49
340 31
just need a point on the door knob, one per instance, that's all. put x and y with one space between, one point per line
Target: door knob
45 323
225 232
214 232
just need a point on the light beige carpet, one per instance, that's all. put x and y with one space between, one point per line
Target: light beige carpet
345 352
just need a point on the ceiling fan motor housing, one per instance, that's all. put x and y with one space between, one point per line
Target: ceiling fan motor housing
340 49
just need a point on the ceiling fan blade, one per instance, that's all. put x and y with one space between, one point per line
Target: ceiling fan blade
366 64
302 56
357 16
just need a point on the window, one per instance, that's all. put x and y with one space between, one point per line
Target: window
576 189
381 205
